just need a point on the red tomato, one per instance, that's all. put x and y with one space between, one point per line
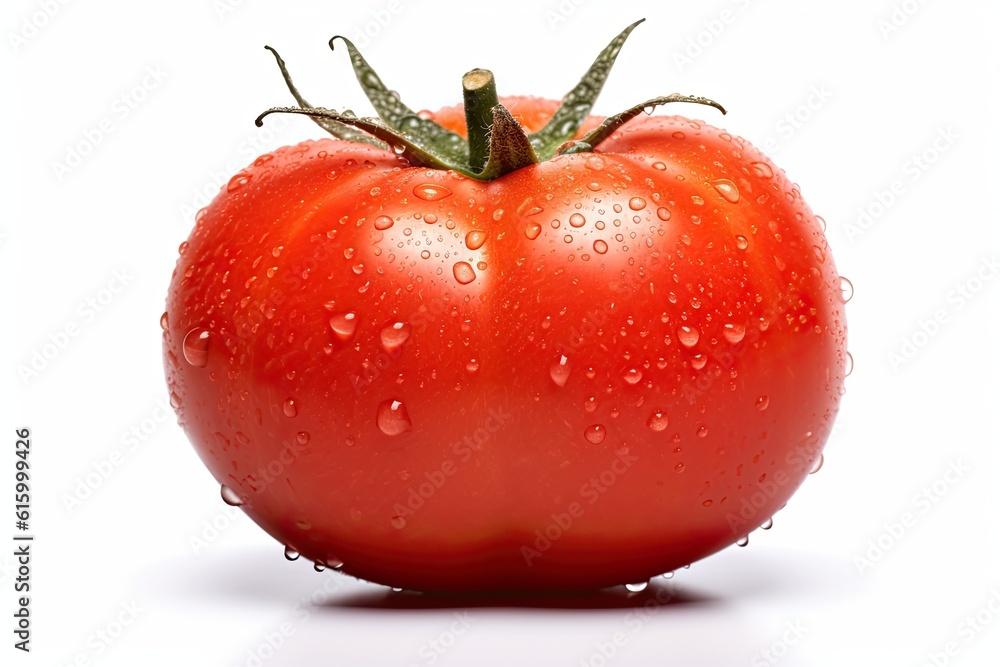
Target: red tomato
587 372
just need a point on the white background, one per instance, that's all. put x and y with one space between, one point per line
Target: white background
844 98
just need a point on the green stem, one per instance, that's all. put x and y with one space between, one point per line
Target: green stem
480 94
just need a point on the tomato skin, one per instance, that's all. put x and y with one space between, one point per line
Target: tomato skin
500 479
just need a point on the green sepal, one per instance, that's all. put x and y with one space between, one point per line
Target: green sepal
577 103
398 116
338 130
612 123
405 146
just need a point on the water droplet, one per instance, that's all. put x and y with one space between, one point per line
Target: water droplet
344 325
398 522
741 242
175 401
475 239
383 222
570 147
532 230
763 402
727 189
577 220
633 376
657 421
707 503
816 465
762 169
289 408
595 162
600 247
822 223
463 272
230 497
743 541
637 587
768 524
595 434
667 575
392 418
659 166
472 366
291 554
679 467
846 289
688 336
733 332
195 347
663 213
637 203
702 431
559 372
164 321
394 335
431 192
430 218
319 566
302 437
334 563
698 201
848 364
238 181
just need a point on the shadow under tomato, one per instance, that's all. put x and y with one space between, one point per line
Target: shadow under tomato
661 593
262 577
